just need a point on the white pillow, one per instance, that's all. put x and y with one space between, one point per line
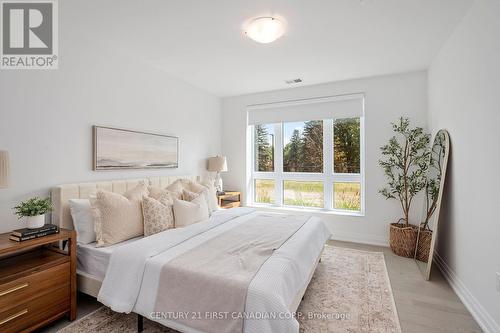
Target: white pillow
83 220
190 212
213 203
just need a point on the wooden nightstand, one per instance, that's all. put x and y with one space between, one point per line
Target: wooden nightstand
37 281
230 199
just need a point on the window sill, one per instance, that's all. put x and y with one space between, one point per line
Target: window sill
307 210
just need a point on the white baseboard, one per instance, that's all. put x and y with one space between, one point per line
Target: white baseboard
483 318
360 238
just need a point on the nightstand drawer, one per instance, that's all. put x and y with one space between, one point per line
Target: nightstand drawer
37 281
229 199
230 204
34 285
43 308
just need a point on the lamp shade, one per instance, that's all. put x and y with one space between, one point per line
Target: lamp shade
217 164
4 169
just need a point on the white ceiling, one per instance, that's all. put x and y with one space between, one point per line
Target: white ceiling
202 42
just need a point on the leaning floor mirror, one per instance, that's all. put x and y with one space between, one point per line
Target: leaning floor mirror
428 230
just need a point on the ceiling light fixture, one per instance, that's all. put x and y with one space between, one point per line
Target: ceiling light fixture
265 29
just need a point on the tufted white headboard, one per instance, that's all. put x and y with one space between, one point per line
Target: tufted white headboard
61 215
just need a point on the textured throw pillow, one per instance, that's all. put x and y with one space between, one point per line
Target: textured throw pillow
207 186
190 212
189 196
118 217
83 220
158 212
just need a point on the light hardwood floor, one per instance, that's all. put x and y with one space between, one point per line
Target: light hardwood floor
423 306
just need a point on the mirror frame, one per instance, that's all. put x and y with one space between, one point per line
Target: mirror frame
427 273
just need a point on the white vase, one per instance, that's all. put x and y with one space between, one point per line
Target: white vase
33 222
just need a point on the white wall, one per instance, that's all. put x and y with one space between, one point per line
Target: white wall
46 116
387 98
464 97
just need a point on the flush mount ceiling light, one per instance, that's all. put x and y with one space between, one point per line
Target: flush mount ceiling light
265 29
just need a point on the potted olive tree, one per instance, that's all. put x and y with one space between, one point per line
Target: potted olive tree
405 165
34 211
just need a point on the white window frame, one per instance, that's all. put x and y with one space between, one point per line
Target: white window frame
328 177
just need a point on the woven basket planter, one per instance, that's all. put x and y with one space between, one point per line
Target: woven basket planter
403 239
424 245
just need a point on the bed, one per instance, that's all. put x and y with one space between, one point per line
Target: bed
93 261
127 276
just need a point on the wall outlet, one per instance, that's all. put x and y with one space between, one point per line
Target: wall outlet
498 282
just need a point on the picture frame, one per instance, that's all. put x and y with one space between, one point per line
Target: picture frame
124 149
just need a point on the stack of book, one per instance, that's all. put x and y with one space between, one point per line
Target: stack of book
20 235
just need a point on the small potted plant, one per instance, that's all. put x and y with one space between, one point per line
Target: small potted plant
34 211
405 166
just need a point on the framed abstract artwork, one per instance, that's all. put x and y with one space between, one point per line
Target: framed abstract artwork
117 149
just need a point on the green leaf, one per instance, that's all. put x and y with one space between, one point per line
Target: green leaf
33 207
405 163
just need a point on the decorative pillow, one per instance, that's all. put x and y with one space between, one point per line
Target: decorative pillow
118 217
190 212
177 187
184 184
158 214
189 196
195 187
156 192
207 186
212 201
83 220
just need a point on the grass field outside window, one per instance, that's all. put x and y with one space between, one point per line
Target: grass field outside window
347 196
264 191
303 193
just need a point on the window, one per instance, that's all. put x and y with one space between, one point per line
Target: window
314 164
303 146
264 191
347 196
303 193
346 146
264 148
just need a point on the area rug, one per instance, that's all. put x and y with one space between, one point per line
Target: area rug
349 292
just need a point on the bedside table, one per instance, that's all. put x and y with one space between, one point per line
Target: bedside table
230 199
37 281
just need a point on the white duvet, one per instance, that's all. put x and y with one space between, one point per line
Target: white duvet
131 280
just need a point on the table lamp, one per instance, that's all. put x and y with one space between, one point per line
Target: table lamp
218 164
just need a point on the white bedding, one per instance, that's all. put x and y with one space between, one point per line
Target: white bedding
94 260
131 281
